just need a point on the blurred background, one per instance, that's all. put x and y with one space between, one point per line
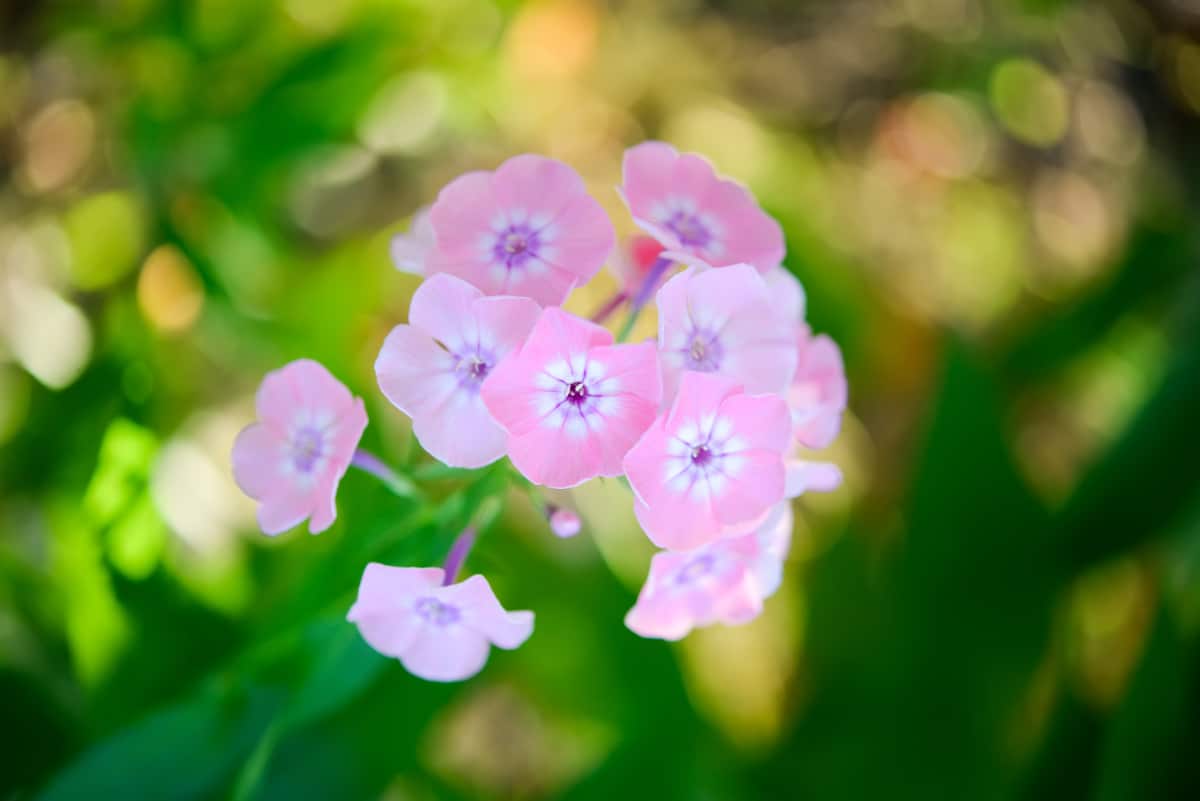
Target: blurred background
993 206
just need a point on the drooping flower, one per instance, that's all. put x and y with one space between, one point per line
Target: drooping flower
571 401
817 395
724 321
723 582
713 462
633 260
698 217
439 633
432 368
529 228
293 458
410 249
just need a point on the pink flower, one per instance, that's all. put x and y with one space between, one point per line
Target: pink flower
698 217
633 260
571 401
432 368
529 228
724 321
817 395
564 522
439 633
292 459
723 582
787 293
804 476
410 249
714 461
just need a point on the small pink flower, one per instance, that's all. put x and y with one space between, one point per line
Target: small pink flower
529 228
723 582
724 321
292 459
572 402
817 395
713 462
410 249
432 368
564 522
439 633
787 293
698 217
633 260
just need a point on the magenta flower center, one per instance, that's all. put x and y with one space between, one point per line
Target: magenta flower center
307 447
690 229
436 612
701 455
516 245
577 393
703 352
696 568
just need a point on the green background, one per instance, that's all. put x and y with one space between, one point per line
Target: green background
993 208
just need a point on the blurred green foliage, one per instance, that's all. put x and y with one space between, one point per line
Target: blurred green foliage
992 206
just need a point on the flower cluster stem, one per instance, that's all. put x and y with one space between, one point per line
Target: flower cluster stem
458 554
368 462
644 293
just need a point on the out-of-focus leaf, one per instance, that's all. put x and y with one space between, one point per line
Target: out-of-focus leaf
1149 748
1144 480
184 752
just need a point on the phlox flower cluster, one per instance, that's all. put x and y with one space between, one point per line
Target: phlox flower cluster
708 422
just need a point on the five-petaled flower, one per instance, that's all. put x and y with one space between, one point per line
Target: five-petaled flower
529 228
293 458
723 582
432 368
724 321
713 462
571 401
698 217
438 632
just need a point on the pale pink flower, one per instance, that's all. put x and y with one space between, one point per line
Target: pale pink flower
714 461
633 260
724 321
432 368
723 582
787 293
805 476
529 228
698 217
293 458
410 249
439 633
817 395
572 402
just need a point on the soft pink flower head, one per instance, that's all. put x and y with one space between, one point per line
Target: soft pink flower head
439 633
410 249
724 321
633 260
787 293
817 395
699 218
529 228
723 582
432 368
564 522
292 459
571 401
714 461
